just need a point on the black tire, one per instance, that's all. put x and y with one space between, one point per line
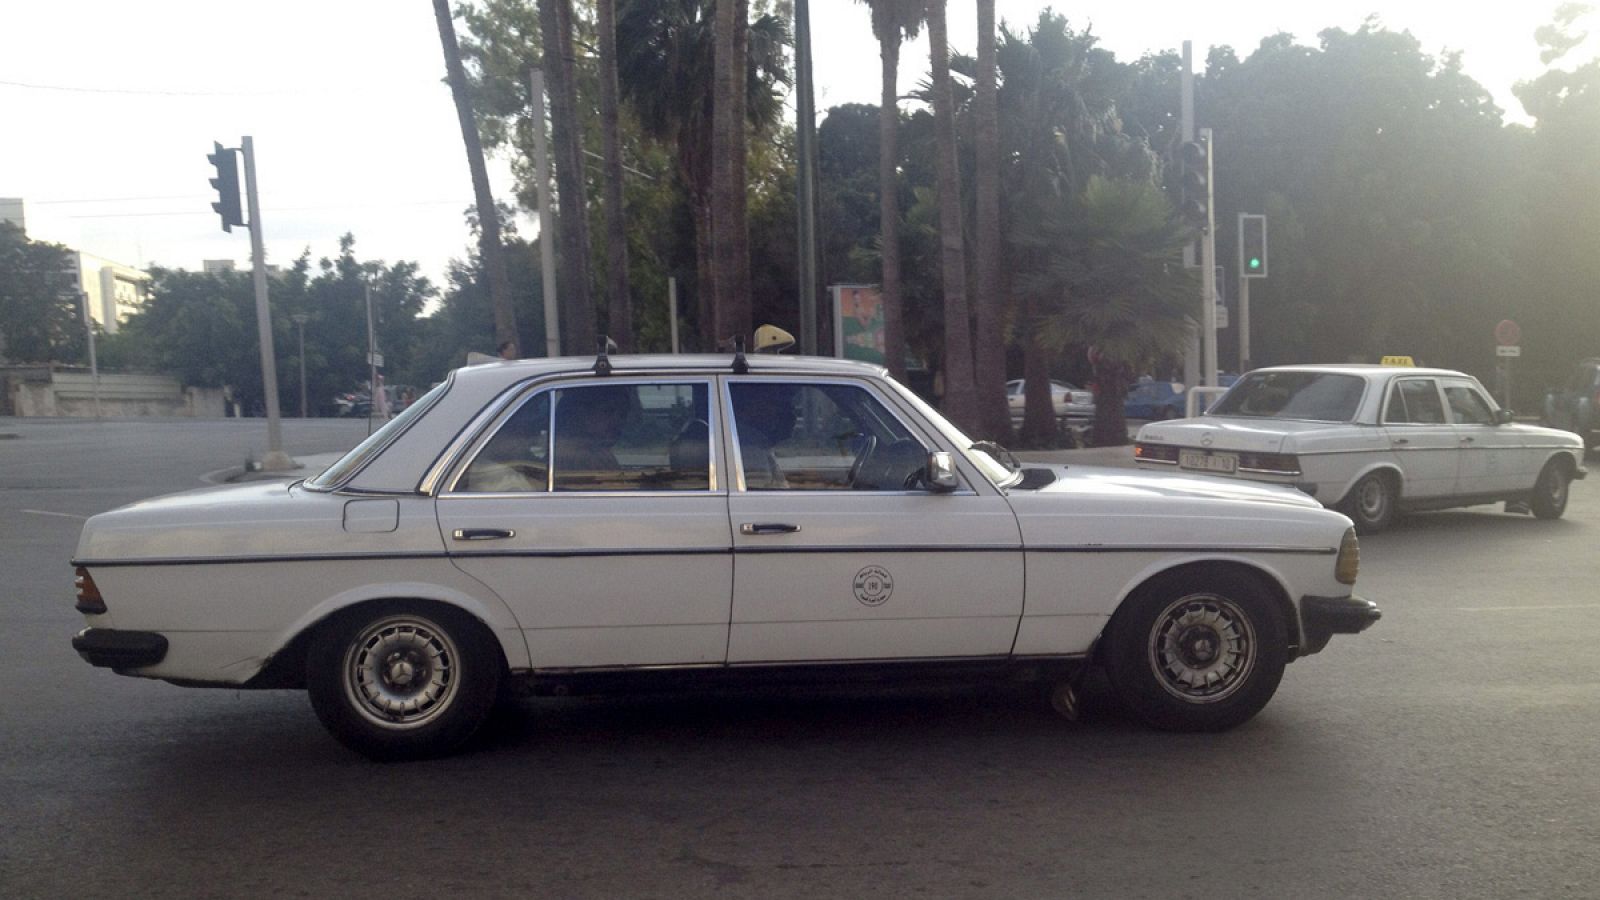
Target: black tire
1549 497
1371 503
393 714
1167 412
1197 650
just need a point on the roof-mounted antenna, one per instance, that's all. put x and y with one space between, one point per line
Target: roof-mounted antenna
740 365
604 347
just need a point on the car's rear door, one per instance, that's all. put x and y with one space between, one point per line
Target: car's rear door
833 568
617 555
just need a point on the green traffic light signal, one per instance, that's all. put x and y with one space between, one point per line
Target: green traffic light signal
1255 263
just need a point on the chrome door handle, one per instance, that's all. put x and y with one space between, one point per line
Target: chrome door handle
1399 441
1468 440
768 528
484 534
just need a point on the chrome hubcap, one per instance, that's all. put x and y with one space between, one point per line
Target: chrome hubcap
401 672
1372 499
1202 648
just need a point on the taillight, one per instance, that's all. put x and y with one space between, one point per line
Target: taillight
1349 558
1270 463
1161 453
89 600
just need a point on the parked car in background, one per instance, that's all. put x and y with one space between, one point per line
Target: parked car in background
1162 399
1070 401
564 525
1372 441
1576 408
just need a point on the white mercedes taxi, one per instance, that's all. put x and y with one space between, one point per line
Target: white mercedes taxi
1372 441
563 525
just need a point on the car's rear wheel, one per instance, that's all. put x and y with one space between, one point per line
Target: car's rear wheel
1549 498
1167 412
403 680
1197 650
1371 503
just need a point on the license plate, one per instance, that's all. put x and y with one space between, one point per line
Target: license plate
1208 462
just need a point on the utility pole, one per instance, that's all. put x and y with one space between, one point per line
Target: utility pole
300 320
547 229
373 360
806 186
94 364
1191 355
275 460
1208 265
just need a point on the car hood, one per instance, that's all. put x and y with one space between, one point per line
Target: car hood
252 521
1247 434
1091 507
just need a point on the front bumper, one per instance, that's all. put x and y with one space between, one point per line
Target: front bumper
112 649
1323 617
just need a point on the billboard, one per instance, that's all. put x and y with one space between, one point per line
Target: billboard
858 323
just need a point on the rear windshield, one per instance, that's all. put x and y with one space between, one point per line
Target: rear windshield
1314 396
335 474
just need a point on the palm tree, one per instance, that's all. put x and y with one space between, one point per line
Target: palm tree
620 302
892 21
989 301
730 235
671 42
1111 276
572 229
960 395
493 252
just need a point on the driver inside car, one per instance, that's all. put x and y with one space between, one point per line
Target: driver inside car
764 415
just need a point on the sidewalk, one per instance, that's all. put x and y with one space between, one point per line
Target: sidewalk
310 464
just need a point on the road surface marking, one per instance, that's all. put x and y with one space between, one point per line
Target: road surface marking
1521 608
45 512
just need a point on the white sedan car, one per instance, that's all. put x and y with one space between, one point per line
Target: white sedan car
1372 441
563 525
1070 402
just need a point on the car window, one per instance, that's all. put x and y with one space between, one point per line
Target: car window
803 436
1314 396
1468 406
347 465
604 437
1414 401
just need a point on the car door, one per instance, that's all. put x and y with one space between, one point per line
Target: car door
1493 458
838 553
1425 446
619 553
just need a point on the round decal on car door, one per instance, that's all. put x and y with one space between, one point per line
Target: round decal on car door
873 585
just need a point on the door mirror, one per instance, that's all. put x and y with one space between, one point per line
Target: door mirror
1502 417
941 473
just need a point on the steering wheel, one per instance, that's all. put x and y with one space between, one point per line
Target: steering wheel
862 456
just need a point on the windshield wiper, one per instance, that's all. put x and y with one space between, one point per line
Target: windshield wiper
1001 455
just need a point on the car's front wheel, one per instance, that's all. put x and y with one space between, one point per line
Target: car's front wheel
1371 503
1197 650
403 680
1549 498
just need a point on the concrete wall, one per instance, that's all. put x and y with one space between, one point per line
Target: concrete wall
39 391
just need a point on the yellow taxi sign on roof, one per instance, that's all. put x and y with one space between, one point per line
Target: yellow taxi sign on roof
1398 361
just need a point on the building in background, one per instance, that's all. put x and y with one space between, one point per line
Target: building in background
114 291
11 211
217 266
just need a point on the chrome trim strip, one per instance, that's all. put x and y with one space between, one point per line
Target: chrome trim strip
806 663
237 560
1176 548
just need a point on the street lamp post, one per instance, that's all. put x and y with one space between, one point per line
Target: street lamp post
300 320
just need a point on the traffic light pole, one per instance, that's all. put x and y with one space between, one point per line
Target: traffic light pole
275 460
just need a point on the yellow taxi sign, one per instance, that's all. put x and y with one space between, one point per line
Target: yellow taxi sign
1399 361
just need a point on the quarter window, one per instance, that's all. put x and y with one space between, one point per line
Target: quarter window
799 436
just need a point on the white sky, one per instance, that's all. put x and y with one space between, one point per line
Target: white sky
355 130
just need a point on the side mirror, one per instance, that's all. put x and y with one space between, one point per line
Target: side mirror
1503 417
941 473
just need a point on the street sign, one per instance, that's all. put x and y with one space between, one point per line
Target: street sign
1508 350
1507 334
375 359
1222 315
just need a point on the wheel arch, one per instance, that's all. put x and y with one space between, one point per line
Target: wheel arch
1272 583
1562 458
1387 469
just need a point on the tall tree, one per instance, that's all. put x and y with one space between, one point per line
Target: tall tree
730 236
619 298
960 393
566 134
892 21
992 295
505 317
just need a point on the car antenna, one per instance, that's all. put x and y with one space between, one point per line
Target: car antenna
604 347
740 365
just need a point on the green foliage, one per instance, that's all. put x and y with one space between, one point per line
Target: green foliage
39 306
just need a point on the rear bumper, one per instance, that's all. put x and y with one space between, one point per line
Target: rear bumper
112 649
1324 617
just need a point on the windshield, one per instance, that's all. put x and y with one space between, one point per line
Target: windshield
335 474
1314 396
985 455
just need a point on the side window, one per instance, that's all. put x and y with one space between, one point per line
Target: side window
1414 401
807 437
517 458
632 437
1468 406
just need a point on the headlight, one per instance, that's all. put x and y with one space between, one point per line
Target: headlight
1349 558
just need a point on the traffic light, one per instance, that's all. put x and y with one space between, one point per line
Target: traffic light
1195 205
1252 246
227 184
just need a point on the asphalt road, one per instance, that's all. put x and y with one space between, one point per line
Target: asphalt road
1449 752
